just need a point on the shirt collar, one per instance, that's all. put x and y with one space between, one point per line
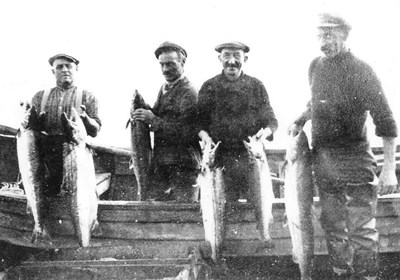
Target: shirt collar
170 85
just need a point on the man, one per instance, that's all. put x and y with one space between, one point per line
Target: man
172 119
344 89
232 107
52 103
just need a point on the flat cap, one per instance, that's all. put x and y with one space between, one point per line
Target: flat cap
61 55
332 20
169 46
233 45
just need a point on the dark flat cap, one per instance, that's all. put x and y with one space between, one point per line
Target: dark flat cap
61 55
233 45
169 46
332 20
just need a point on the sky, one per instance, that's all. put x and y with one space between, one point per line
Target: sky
115 42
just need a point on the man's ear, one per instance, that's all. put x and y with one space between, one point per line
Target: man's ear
77 68
53 71
245 58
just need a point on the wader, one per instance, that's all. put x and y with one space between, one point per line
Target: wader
348 196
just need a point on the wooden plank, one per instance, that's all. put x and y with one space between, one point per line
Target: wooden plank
123 249
145 222
99 270
102 182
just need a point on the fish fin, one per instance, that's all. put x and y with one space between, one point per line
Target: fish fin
128 123
247 145
314 217
96 229
41 236
295 258
285 221
197 157
168 191
28 209
284 168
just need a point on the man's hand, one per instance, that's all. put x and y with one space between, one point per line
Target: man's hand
143 115
294 129
204 136
264 133
83 115
387 178
92 127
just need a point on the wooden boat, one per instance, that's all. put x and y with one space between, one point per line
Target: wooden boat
147 230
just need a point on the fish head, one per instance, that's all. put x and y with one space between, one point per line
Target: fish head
137 101
30 117
298 146
255 148
74 129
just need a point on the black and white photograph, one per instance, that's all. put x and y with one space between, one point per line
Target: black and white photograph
200 140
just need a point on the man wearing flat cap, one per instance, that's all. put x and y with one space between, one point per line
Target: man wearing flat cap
172 119
52 103
232 107
343 90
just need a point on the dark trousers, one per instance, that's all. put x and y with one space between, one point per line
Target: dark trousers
173 182
348 219
52 157
235 173
349 200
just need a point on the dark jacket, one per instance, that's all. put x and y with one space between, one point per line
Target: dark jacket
174 127
231 111
344 89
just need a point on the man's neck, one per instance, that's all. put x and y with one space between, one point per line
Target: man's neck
65 86
233 77
174 81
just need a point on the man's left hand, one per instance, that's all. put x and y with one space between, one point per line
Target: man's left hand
264 133
143 115
83 115
387 182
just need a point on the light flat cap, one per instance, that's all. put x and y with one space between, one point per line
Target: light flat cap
332 20
233 45
61 55
169 46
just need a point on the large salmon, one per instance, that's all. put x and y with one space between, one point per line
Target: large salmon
299 202
212 199
32 170
79 181
260 184
141 148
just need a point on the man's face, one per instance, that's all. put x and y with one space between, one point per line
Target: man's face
171 67
232 61
64 70
331 41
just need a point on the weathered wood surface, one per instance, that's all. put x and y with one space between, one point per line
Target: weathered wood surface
160 223
190 268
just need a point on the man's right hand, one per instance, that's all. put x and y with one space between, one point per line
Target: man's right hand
294 129
204 136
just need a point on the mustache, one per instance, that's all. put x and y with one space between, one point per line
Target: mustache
235 65
169 72
325 48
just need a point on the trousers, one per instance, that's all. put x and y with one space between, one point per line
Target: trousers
348 193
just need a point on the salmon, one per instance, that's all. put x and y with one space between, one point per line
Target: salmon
299 202
32 170
141 148
79 181
261 190
212 199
